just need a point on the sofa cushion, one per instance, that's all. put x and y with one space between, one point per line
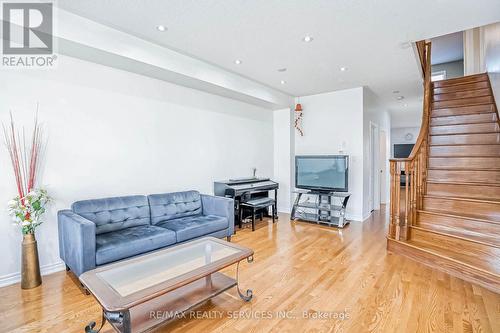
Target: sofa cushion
175 205
195 226
111 214
128 242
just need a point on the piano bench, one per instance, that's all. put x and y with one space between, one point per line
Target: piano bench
255 204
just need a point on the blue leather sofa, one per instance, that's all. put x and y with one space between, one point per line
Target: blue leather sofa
100 231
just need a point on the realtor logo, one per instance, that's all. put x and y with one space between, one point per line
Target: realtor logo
27 35
27 28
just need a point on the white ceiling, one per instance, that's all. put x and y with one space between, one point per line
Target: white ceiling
447 48
369 37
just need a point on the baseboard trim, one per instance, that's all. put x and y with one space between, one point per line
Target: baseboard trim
13 278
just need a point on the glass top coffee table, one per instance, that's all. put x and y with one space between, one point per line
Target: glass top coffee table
141 293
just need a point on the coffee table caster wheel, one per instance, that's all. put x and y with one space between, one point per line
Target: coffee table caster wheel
248 297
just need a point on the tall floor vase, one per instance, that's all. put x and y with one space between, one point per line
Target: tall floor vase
30 266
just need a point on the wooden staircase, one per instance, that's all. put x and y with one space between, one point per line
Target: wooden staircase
448 214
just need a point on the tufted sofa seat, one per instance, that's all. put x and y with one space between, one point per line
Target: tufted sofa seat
99 231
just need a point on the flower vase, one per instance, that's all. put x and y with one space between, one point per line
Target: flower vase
30 266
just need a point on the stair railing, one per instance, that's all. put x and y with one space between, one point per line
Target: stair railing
409 175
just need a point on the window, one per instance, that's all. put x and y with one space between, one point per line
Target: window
439 75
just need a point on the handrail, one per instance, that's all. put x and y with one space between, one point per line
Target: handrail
424 128
413 169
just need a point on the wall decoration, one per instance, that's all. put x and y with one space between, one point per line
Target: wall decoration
409 136
298 119
28 207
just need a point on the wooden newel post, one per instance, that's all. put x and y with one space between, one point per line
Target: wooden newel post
392 231
404 226
397 189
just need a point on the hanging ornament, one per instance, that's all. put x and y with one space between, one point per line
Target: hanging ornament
298 119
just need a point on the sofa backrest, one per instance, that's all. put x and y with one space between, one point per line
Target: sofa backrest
112 214
169 206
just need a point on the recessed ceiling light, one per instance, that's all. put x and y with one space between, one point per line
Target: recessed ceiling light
161 28
400 98
282 81
405 105
395 92
307 39
237 62
343 69
281 69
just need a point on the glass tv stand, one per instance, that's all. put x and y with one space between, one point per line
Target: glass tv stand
321 207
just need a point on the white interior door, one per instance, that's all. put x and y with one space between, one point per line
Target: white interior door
374 193
383 167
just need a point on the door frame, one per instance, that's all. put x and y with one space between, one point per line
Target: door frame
374 180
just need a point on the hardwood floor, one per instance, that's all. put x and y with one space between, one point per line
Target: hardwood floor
299 268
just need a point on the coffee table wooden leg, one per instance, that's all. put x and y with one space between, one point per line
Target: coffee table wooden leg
247 297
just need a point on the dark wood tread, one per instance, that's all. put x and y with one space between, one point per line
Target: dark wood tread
472 123
476 104
437 181
462 183
466 94
461 87
492 201
443 261
465 156
462 144
464 216
478 239
458 256
465 133
460 80
464 119
463 110
462 169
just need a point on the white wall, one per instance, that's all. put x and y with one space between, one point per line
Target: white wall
282 126
382 122
453 69
398 136
332 120
116 133
492 57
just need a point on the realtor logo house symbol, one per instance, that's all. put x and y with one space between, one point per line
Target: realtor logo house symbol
27 28
27 34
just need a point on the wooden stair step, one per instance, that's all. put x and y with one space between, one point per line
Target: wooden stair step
479 231
460 80
462 87
462 94
463 110
450 261
465 139
492 163
463 102
465 119
475 254
465 150
473 208
467 175
456 189
491 127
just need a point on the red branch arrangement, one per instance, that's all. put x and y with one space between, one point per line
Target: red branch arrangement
25 156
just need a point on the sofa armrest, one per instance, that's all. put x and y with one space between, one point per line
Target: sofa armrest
219 206
77 241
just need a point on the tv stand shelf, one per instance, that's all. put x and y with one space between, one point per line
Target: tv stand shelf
326 207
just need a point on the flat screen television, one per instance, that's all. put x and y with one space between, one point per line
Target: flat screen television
403 150
322 172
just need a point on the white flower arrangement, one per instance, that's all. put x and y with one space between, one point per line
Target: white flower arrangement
27 212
